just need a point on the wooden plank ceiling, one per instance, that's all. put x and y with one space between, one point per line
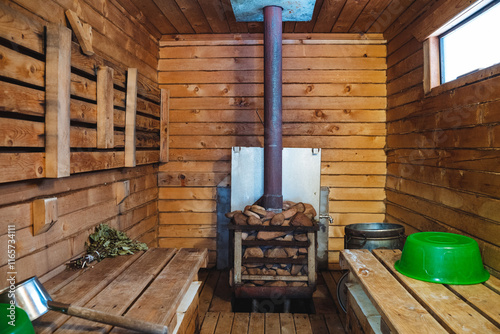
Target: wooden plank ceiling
162 17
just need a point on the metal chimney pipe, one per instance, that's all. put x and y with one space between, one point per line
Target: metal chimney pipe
273 145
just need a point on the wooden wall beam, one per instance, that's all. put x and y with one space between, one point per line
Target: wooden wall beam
105 97
164 125
57 101
130 114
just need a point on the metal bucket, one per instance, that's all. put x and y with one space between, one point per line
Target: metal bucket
374 235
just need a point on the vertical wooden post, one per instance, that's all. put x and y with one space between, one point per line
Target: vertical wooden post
105 95
237 257
130 117
311 259
164 125
57 101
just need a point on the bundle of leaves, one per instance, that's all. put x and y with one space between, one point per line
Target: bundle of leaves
107 242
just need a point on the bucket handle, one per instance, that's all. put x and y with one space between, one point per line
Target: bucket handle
349 239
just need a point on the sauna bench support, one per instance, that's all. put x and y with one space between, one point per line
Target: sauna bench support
381 300
159 285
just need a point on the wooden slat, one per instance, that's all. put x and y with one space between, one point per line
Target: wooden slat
454 314
481 298
167 289
164 125
290 76
302 324
209 323
405 314
256 325
130 118
225 323
105 129
232 90
21 166
253 64
207 294
215 16
287 324
240 323
195 16
288 51
348 15
57 102
328 15
291 115
272 323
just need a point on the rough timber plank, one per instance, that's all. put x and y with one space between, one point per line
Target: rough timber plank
57 101
207 293
209 323
240 323
302 324
122 291
82 289
225 323
405 314
130 118
167 289
105 94
164 125
256 325
454 314
287 324
272 323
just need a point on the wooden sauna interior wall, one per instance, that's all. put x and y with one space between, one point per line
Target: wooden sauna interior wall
334 98
443 147
87 199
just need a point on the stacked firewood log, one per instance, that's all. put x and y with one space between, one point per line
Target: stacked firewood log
293 215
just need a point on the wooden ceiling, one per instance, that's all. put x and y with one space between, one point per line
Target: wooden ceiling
162 17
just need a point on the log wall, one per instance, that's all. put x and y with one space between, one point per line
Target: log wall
443 147
84 200
334 98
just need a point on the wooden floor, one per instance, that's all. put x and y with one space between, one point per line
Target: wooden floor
216 314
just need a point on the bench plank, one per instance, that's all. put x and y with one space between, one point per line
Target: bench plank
159 303
405 314
122 291
453 313
82 289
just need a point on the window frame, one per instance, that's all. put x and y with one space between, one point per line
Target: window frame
431 47
456 26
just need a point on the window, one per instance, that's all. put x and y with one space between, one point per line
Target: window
471 45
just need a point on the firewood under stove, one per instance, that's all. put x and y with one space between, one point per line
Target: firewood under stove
274 249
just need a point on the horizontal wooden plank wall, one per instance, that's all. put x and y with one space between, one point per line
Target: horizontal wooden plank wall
22 87
334 98
84 200
443 148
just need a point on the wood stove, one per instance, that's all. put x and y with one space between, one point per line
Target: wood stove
274 254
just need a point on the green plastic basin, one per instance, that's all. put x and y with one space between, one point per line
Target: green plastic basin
14 320
440 257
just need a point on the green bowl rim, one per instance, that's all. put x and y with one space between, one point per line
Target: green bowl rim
485 275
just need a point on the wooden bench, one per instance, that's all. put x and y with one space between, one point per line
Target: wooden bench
159 286
381 300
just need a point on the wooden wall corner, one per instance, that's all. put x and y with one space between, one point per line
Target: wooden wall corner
44 214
